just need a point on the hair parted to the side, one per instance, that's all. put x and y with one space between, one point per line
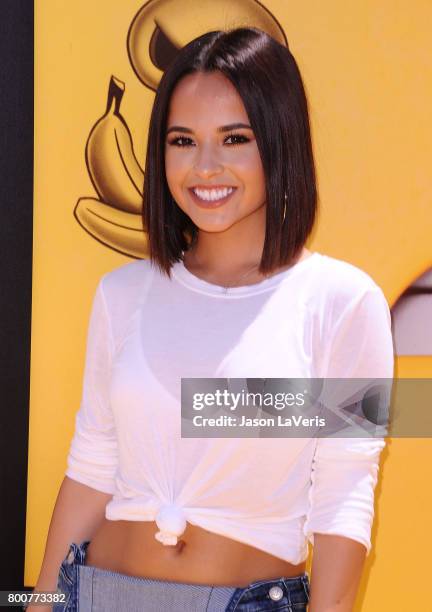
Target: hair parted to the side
268 80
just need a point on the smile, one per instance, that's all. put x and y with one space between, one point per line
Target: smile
210 198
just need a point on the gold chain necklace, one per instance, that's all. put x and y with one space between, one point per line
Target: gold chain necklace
227 287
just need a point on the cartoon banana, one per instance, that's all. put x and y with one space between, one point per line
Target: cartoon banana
120 230
114 170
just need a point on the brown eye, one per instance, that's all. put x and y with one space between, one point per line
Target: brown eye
238 138
178 141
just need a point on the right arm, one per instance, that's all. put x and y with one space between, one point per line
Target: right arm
89 483
77 512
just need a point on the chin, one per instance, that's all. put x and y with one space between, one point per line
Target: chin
213 227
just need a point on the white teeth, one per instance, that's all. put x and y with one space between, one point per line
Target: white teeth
213 194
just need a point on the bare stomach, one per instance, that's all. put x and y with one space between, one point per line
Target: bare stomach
200 557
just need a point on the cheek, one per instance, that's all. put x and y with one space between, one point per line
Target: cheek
175 171
244 157
249 167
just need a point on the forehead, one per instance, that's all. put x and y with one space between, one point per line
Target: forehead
208 97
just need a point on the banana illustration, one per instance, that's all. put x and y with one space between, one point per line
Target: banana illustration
114 170
120 230
116 219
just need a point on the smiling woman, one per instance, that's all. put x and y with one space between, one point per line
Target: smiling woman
229 291
213 165
227 118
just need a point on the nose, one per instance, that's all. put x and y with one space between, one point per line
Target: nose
207 162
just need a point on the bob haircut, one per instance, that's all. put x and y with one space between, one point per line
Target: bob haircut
268 80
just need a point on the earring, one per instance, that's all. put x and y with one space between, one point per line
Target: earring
286 197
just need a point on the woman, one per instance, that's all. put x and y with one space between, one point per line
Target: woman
147 519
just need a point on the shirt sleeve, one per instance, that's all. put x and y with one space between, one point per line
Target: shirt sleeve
93 453
345 470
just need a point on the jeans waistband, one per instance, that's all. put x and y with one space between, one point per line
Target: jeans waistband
288 591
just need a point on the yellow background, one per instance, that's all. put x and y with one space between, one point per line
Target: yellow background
367 70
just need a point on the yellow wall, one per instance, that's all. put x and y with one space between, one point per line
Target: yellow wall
366 67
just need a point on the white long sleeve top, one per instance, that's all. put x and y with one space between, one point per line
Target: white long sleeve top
323 318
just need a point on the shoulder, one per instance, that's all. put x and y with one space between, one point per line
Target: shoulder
128 273
343 291
357 323
123 288
127 279
342 283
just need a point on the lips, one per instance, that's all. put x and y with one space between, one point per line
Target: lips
211 203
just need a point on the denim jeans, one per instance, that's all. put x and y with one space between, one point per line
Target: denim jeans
91 589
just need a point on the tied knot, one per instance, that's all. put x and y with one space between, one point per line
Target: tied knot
172 523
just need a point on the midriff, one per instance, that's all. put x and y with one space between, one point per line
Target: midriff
200 557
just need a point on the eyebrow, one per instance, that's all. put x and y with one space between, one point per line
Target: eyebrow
223 128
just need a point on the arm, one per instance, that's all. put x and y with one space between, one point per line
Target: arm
92 461
337 566
77 512
345 470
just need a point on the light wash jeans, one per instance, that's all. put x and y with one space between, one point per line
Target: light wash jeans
91 589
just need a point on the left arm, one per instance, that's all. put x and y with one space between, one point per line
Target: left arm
337 566
345 470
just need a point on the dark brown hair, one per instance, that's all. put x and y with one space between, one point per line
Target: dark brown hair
268 80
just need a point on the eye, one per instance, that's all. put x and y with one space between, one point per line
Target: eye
239 138
176 141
